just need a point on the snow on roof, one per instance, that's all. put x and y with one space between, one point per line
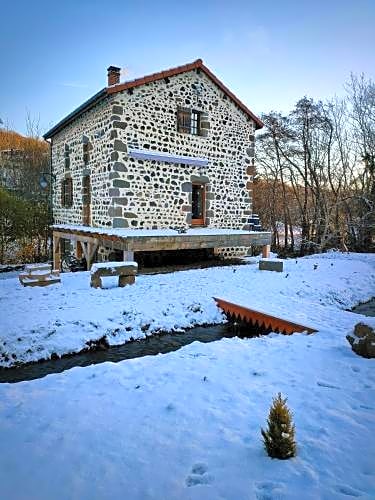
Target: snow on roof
129 233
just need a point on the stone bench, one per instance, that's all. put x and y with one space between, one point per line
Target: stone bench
126 272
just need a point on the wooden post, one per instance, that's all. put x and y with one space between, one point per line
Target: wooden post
56 251
78 249
266 251
91 249
128 256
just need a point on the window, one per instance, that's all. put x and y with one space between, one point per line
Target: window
67 157
198 200
86 200
188 121
86 190
86 152
67 192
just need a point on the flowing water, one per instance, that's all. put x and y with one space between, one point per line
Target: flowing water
156 344
152 345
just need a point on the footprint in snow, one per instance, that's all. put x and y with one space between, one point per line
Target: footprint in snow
327 386
199 475
366 407
269 490
355 369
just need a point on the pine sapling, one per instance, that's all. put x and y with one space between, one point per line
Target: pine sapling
279 437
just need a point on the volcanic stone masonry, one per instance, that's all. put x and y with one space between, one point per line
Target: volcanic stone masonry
148 194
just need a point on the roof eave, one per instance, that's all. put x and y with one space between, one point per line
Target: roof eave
81 109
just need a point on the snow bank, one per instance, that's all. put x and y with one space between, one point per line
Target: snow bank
186 425
37 322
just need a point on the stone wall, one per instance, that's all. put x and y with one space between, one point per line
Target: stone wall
133 193
93 126
152 194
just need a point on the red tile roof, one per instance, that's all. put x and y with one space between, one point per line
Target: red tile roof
198 64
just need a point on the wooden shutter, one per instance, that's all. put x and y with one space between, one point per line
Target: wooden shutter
67 157
86 190
69 185
86 153
183 120
67 192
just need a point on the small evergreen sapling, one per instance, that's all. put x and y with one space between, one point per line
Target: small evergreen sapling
279 437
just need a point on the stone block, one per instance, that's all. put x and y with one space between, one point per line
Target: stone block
114 192
115 211
271 265
120 146
120 223
202 179
121 183
126 272
120 201
119 167
363 340
186 187
126 280
118 124
117 110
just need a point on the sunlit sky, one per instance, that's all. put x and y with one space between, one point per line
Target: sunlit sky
269 53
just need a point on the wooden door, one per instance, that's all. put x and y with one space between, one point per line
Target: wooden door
198 204
86 200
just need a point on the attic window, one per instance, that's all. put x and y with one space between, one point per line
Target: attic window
67 192
188 121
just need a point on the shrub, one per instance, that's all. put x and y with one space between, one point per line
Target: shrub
279 437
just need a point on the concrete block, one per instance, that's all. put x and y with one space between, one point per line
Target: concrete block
271 265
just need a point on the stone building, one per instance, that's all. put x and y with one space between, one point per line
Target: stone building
171 150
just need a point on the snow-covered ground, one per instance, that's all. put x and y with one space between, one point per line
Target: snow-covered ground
37 322
186 425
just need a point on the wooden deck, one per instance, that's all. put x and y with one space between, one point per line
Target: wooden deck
88 239
261 319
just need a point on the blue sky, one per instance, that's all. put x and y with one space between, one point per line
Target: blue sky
54 55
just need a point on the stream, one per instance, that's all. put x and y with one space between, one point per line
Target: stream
155 344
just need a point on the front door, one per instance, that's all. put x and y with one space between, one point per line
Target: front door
86 200
198 204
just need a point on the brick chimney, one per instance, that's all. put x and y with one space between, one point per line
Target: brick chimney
113 75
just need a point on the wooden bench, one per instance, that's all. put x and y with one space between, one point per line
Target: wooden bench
126 272
39 275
